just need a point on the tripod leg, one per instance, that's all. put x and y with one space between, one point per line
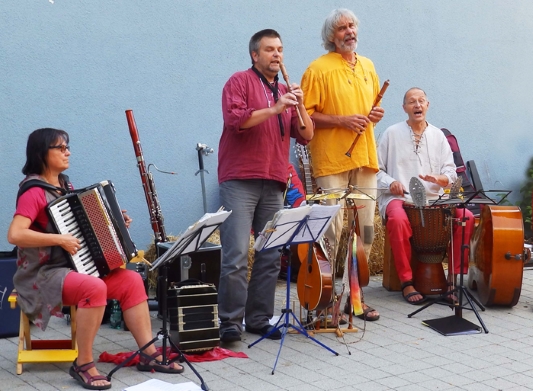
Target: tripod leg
469 299
422 308
301 330
481 306
136 353
182 357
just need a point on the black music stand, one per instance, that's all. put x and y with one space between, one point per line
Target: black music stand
187 243
455 324
305 224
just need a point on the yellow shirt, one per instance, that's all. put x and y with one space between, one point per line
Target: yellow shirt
331 87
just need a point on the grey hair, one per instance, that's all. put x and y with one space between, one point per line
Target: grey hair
330 24
411 89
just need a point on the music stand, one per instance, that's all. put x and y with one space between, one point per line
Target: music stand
189 242
455 324
305 224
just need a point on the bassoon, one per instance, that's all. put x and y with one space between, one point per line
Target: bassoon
154 208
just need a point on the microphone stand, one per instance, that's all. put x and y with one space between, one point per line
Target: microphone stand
455 324
203 149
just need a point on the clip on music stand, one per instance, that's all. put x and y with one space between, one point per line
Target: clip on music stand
456 324
305 224
187 243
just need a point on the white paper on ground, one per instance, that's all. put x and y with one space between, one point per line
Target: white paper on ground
159 385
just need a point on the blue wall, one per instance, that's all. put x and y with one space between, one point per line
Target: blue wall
78 65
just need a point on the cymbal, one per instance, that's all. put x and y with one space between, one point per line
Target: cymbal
337 195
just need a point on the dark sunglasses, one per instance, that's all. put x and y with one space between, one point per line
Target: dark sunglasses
63 148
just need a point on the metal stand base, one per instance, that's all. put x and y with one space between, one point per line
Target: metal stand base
163 335
455 324
452 325
284 327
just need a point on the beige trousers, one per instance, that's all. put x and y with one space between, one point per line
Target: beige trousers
365 179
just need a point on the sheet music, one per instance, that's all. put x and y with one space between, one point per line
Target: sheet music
281 230
320 217
284 222
159 385
193 237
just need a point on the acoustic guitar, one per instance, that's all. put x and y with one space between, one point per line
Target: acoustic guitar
315 281
305 165
497 251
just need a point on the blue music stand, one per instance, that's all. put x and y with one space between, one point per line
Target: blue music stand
289 227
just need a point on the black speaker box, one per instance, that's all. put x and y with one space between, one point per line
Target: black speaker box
202 265
9 318
193 313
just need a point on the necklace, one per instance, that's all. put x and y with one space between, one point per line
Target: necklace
353 63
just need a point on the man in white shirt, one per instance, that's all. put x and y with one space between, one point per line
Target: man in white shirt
415 148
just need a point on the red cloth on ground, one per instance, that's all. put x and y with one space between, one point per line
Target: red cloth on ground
214 354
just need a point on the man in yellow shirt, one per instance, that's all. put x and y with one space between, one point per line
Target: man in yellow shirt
339 90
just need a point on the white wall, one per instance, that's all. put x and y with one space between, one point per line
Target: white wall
78 65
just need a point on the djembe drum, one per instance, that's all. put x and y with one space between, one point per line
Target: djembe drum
431 226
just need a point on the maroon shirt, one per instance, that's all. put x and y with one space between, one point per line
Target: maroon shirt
258 152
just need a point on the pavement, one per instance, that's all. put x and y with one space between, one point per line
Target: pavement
394 353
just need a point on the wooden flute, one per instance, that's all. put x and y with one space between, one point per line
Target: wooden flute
286 78
376 102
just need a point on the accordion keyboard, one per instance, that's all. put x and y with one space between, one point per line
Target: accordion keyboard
87 216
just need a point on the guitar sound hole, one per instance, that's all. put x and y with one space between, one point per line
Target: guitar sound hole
309 269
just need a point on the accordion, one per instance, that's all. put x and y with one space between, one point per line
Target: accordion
193 314
93 215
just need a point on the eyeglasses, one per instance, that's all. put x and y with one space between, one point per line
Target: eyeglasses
421 102
63 148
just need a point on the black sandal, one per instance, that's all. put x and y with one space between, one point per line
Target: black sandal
79 372
409 295
149 364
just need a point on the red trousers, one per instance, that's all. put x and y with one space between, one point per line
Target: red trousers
399 231
87 291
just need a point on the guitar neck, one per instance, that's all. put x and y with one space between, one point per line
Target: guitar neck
307 175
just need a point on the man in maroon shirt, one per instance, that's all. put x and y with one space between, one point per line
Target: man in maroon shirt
259 120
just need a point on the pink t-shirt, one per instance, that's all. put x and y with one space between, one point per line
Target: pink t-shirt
32 204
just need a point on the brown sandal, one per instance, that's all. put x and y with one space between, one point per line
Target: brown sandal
149 364
80 373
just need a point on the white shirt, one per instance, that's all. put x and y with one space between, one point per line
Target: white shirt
400 159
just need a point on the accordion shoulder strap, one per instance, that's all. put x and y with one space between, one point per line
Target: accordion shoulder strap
38 183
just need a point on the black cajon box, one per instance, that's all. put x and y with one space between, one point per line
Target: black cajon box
9 318
193 314
202 265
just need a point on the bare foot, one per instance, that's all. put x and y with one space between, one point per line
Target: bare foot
94 372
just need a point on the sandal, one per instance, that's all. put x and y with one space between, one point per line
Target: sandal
80 373
366 311
149 364
409 295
